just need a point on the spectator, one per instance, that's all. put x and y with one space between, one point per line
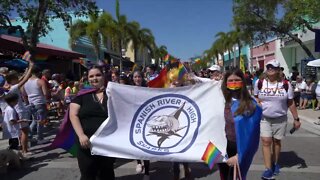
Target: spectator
300 88
308 94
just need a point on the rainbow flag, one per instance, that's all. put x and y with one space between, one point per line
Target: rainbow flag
41 57
161 81
166 59
212 155
182 71
66 137
197 61
26 56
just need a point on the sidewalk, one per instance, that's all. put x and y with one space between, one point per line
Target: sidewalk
307 118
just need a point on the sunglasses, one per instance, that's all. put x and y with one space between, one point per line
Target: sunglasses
269 67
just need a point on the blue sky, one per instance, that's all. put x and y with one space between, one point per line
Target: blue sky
186 27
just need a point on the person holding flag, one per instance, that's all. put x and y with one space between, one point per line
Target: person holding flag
242 117
87 113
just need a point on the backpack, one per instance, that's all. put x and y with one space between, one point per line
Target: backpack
285 84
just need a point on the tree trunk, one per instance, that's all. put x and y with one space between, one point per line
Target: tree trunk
304 47
43 6
120 49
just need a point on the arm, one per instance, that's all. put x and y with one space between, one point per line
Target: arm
75 121
26 75
24 95
294 112
44 88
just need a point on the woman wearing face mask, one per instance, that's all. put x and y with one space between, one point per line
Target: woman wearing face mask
234 91
87 113
138 80
275 96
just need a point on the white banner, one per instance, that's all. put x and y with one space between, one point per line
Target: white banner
174 124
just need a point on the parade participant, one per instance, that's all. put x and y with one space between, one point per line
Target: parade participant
3 72
11 122
35 92
276 96
138 80
176 165
13 80
151 72
87 113
115 76
234 90
215 72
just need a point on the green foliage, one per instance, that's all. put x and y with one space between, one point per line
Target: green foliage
38 14
263 19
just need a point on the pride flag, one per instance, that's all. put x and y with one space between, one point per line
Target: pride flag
66 137
248 135
161 80
41 57
182 71
212 155
26 56
166 59
197 61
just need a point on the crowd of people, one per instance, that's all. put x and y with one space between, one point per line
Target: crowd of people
27 98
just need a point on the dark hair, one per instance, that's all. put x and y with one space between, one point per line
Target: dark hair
246 103
96 67
12 75
152 67
143 83
11 97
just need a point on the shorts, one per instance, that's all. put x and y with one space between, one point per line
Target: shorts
306 96
273 127
24 115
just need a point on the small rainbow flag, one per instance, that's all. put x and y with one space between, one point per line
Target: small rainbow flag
182 71
197 61
26 56
166 59
212 155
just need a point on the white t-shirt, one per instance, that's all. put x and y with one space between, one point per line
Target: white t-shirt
318 90
300 86
274 98
20 107
10 130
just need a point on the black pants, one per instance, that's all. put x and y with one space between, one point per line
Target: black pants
146 164
226 172
14 143
94 167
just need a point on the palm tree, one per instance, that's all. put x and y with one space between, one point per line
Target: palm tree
142 38
225 41
89 29
160 53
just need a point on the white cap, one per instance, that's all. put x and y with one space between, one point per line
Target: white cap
215 68
274 63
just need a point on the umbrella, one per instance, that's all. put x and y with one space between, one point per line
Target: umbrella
17 63
314 63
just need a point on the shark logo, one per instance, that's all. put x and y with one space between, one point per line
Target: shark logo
165 124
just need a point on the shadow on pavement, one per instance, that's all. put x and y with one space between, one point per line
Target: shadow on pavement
20 173
163 170
290 158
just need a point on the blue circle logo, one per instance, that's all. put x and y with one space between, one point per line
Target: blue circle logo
165 124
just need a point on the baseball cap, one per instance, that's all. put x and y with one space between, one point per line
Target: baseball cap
215 68
273 63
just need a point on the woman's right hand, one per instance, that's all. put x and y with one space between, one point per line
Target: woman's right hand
84 141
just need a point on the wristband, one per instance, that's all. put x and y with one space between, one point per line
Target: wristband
296 119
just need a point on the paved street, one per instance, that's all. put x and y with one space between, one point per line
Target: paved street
299 160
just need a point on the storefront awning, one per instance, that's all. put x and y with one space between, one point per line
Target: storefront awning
15 44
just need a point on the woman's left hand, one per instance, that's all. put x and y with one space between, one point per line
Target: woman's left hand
232 161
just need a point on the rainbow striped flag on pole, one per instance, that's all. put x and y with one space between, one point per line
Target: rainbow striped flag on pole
212 155
26 56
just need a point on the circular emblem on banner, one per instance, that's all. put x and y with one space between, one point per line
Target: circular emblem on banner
165 124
